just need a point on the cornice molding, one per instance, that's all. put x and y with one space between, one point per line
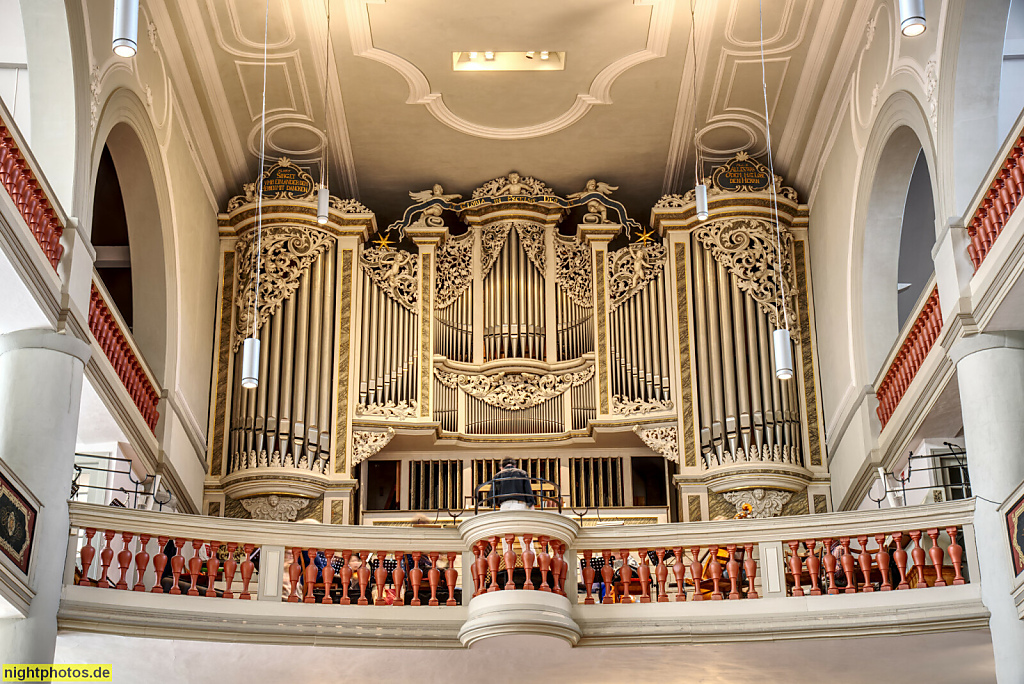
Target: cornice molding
420 91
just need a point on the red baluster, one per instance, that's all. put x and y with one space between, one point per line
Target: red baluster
813 566
528 558
212 566
750 567
956 554
141 562
328 576
732 566
434 577
848 564
398 577
248 567
380 577
865 563
363 576
124 559
451 578
346 578
882 562
194 567
159 563
918 556
626 575
645 577
588 577
796 566
309 578
106 556
294 572
679 573
493 563
937 557
480 566
230 565
416 577
544 561
88 553
715 570
177 565
607 577
560 567
510 560
696 573
661 576
900 556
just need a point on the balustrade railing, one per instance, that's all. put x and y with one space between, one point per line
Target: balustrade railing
107 330
908 359
996 201
27 189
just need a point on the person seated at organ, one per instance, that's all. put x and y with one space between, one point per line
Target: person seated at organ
511 490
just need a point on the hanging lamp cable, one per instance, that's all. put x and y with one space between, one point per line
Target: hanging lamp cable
324 170
697 163
259 180
771 170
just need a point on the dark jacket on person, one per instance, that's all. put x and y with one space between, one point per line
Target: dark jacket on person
512 484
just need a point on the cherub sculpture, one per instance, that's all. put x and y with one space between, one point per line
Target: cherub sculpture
431 216
597 212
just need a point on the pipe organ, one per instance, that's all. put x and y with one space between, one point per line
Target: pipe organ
517 321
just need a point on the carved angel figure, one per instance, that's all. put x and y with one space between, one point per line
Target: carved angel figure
596 211
513 187
431 216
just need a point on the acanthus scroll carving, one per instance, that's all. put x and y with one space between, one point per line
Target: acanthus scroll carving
389 409
632 267
285 252
274 507
624 406
514 391
574 270
761 503
495 235
746 247
513 184
664 440
454 269
366 443
395 271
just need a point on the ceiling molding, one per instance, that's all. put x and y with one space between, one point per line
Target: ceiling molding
421 94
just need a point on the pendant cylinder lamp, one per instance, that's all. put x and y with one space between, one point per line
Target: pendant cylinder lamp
250 363
783 354
323 198
126 27
912 20
702 202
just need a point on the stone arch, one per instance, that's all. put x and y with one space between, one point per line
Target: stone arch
125 130
899 136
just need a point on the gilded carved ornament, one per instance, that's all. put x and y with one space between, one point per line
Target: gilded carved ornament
597 212
431 216
366 443
761 503
274 507
574 270
395 271
663 440
495 235
454 269
390 409
746 247
513 184
632 267
741 174
624 406
514 391
285 251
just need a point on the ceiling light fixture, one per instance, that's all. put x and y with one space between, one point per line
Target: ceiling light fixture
700 190
782 343
324 194
473 55
489 56
529 55
912 20
126 27
251 345
544 54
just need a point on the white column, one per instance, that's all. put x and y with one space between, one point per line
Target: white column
990 371
40 393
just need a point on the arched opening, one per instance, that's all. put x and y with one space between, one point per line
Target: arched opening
14 65
1011 94
125 195
917 237
889 240
110 237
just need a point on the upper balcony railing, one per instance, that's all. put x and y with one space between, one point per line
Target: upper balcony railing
35 201
109 331
181 566
902 367
998 197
